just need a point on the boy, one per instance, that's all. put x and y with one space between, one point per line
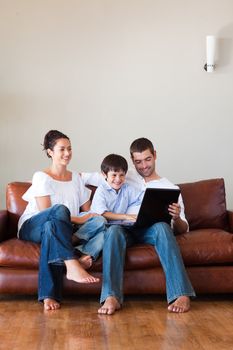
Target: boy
114 197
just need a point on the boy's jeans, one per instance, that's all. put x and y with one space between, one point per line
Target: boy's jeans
91 234
159 235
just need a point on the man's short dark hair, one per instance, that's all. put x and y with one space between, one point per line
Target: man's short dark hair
114 162
141 145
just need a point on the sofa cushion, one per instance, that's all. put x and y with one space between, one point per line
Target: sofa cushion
206 247
200 247
18 253
205 204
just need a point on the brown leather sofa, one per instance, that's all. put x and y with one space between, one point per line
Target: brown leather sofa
207 249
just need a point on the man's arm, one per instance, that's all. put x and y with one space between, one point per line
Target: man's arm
179 225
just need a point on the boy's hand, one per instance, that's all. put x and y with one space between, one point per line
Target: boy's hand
130 217
174 210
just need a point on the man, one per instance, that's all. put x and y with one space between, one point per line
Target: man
160 235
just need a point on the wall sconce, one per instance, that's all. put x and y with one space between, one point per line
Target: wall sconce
210 53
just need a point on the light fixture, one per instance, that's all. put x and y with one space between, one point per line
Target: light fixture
210 53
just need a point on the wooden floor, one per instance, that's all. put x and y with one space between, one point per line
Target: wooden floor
143 323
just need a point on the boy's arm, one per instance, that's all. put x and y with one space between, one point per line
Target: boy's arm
113 216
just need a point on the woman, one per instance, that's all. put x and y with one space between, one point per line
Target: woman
54 200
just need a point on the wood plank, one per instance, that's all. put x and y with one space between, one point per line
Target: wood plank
143 323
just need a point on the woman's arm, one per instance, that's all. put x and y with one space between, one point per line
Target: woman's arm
79 220
43 202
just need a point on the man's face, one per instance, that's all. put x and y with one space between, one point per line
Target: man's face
144 162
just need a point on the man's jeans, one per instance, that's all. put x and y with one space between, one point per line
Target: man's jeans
161 236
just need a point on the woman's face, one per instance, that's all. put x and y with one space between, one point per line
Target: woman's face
61 153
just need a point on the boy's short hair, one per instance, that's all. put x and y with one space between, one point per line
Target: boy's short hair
140 145
114 162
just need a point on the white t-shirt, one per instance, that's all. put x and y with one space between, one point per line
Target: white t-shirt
136 180
73 194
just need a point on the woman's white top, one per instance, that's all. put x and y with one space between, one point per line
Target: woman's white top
73 194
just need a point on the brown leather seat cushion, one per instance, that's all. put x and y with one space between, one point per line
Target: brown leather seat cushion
200 247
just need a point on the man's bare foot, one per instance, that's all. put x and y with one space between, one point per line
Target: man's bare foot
182 304
110 305
51 304
76 272
85 261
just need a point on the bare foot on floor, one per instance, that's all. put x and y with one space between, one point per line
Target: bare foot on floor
51 304
182 304
110 305
76 272
85 261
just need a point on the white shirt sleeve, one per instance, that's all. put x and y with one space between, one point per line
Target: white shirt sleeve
41 186
94 179
84 192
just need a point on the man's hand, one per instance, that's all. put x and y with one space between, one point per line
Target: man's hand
174 211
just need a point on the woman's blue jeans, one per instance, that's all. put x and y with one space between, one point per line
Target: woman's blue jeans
51 228
161 236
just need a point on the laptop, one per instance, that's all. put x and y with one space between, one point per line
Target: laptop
154 207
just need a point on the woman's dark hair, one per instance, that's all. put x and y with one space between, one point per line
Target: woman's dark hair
51 138
141 145
114 162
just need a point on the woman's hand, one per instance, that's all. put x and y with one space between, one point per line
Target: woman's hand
79 220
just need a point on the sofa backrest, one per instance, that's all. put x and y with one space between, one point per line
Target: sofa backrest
205 203
15 205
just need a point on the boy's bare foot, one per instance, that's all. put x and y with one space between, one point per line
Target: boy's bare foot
181 304
51 304
85 261
76 272
110 305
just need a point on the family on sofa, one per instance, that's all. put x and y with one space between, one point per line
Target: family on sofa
52 218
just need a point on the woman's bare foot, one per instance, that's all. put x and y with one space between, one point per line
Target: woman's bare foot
182 304
85 261
110 305
76 272
75 240
51 304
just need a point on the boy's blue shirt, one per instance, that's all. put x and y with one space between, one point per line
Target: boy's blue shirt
108 199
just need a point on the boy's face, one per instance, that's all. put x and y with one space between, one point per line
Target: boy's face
115 179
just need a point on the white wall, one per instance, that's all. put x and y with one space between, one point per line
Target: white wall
106 72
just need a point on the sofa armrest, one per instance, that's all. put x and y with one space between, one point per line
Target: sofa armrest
3 224
230 219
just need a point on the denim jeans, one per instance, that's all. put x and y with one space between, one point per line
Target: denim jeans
51 228
91 234
161 236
